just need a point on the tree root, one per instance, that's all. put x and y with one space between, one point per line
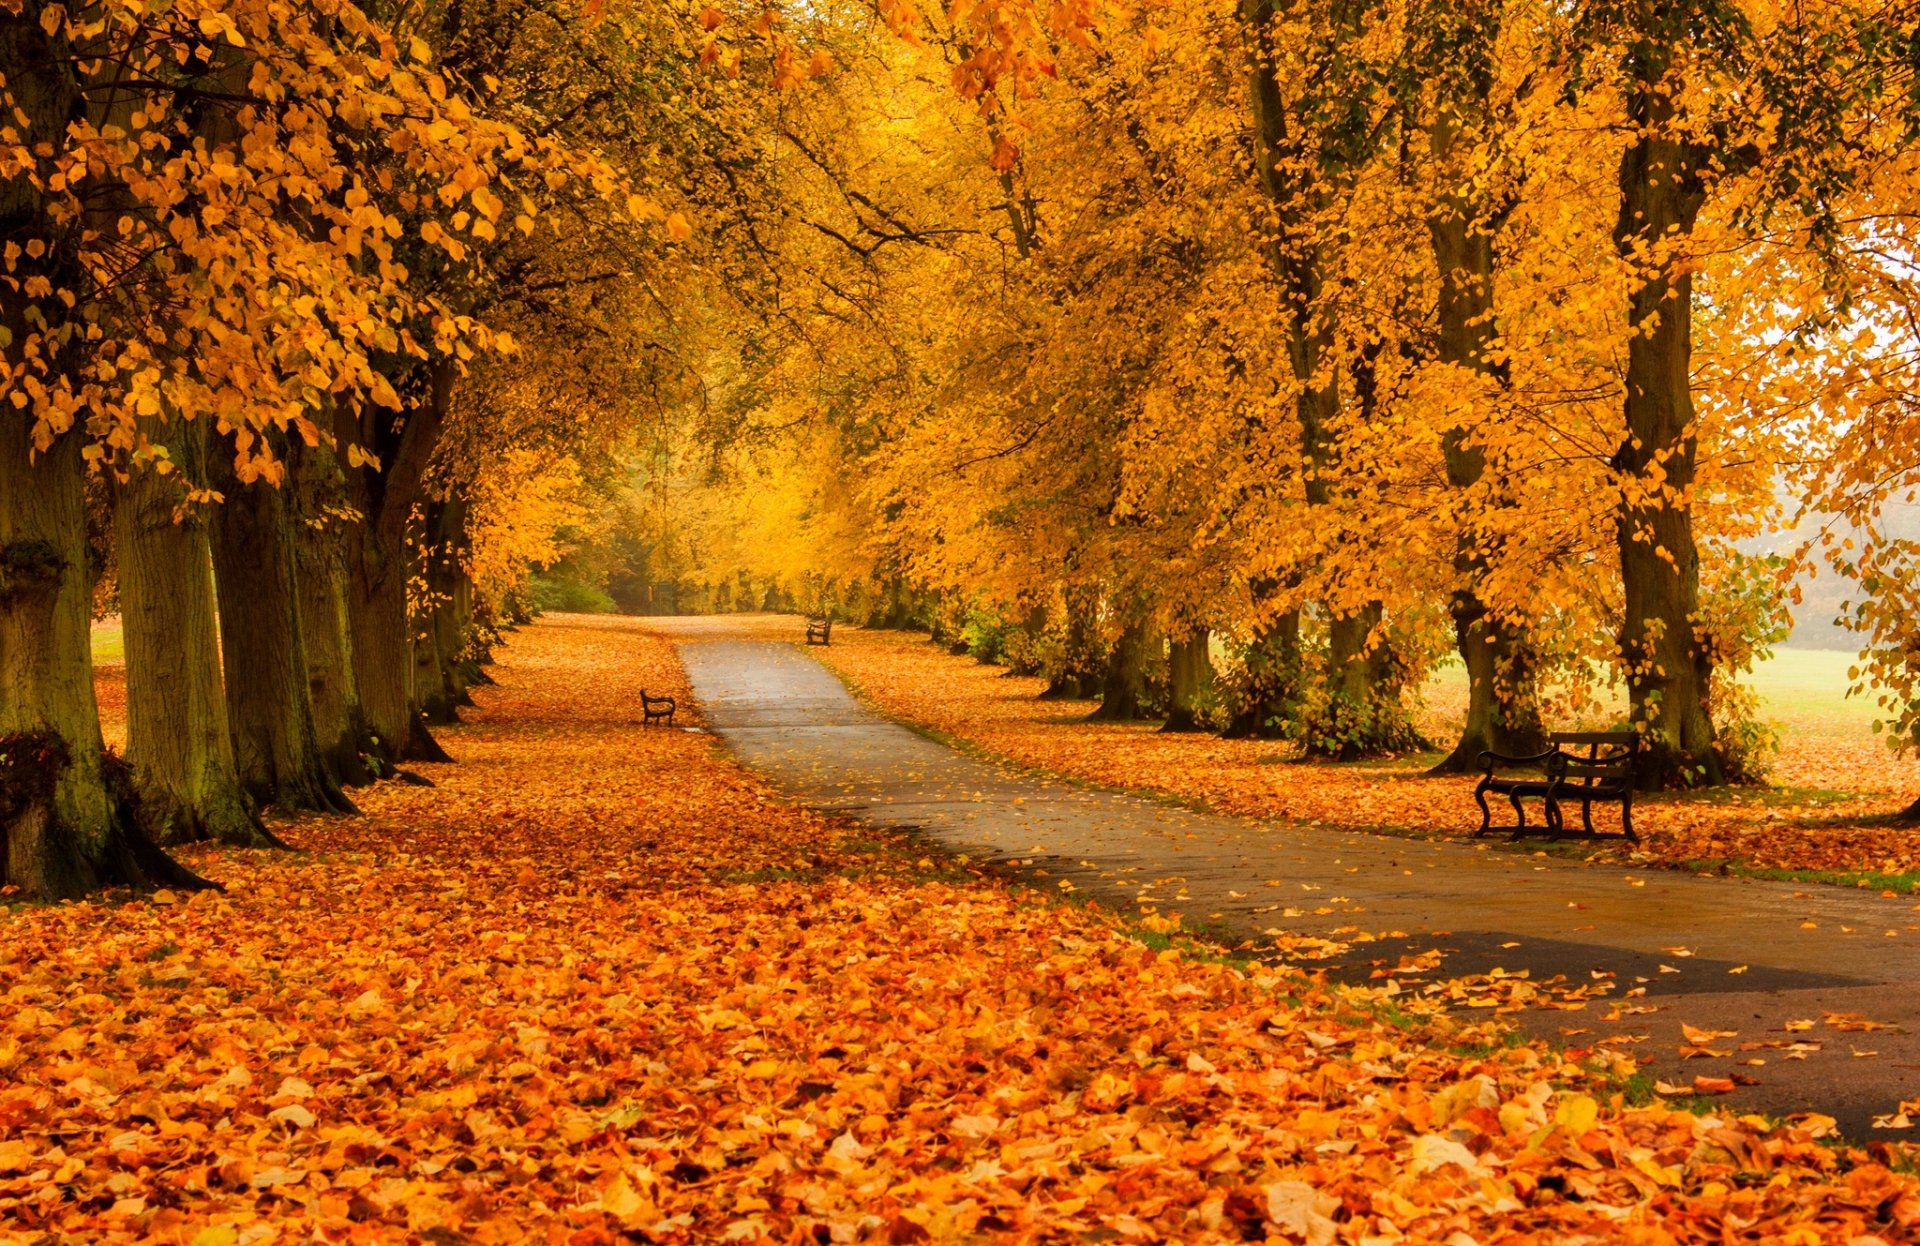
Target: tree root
421 746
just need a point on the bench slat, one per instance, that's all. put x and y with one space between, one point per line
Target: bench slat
1622 738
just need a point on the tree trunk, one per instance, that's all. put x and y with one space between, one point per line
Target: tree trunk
1668 666
439 636
1503 713
319 548
1123 690
1189 679
65 824
65 827
382 656
1023 649
268 702
1267 700
1075 676
1362 713
377 561
178 743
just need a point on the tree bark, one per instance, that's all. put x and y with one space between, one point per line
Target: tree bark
178 741
65 823
1668 667
1075 676
377 561
268 703
1267 700
1503 713
1361 711
1363 714
439 636
1189 679
1023 656
1299 177
319 547
1123 689
65 827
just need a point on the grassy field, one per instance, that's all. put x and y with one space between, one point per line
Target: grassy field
109 645
1806 689
1803 691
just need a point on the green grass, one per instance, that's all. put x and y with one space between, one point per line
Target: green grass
109 643
1904 884
1804 690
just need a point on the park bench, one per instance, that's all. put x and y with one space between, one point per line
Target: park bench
1603 774
820 630
655 708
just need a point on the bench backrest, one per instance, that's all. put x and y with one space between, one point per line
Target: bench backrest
1609 753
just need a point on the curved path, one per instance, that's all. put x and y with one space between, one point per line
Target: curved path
1724 955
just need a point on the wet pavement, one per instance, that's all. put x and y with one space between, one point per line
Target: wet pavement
1747 960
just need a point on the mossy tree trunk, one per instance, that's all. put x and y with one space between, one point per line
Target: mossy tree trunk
178 740
440 629
1075 673
1300 169
66 826
1362 711
1189 680
1266 702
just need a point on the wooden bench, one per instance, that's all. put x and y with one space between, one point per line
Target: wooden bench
654 709
820 630
1604 774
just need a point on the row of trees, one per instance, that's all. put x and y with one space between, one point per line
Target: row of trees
324 322
1333 336
1330 329
320 321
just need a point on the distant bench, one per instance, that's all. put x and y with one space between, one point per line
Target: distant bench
1604 775
655 709
820 630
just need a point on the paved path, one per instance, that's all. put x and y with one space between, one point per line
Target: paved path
1717 954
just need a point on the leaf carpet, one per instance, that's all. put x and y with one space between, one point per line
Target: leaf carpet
910 679
598 986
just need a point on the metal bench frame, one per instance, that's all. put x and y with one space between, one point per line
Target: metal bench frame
651 710
1606 774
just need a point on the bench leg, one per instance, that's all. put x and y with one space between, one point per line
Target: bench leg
1519 815
1626 819
1486 814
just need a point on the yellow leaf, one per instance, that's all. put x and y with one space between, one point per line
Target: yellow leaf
1576 1114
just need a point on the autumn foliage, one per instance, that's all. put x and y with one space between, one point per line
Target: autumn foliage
599 983
1228 367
